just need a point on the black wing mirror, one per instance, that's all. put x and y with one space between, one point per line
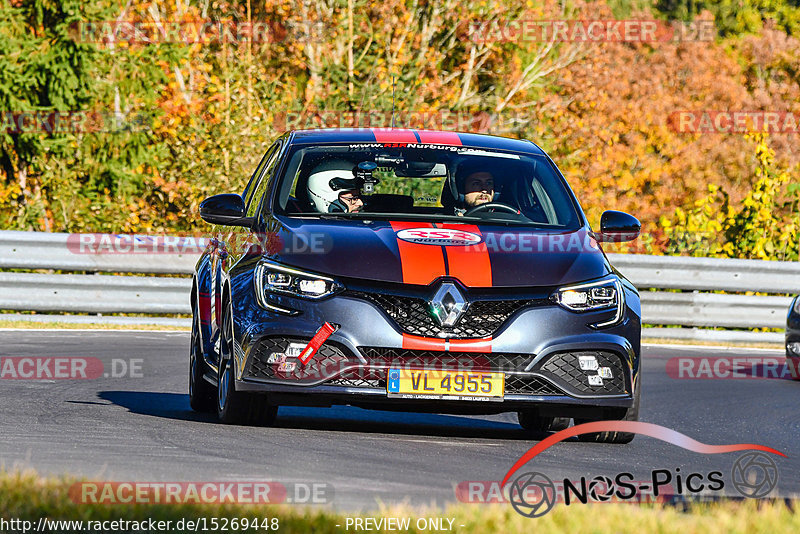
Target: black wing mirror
618 227
226 209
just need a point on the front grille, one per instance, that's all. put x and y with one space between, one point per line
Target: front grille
357 383
481 319
560 373
515 385
328 359
432 359
564 368
530 385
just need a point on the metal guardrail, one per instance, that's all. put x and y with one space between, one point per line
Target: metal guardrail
71 252
709 274
94 293
697 277
713 309
695 306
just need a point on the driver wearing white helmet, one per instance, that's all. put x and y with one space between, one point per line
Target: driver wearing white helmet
334 190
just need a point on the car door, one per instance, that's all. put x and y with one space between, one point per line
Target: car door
245 240
227 240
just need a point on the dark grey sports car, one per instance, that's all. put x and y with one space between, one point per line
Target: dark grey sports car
413 270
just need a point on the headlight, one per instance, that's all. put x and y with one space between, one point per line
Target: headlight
602 295
275 279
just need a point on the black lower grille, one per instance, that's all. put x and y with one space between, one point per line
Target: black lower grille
565 368
558 374
431 359
515 385
481 319
328 360
357 383
530 385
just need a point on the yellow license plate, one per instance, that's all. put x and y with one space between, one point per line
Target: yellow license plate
452 385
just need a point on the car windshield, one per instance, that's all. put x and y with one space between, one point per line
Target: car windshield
434 182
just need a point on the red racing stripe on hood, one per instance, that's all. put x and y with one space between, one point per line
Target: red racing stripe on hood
470 264
421 264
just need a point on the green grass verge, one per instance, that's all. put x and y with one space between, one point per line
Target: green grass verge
28 496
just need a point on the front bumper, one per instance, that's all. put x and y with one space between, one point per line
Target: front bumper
538 348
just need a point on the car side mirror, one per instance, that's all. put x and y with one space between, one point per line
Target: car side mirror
226 209
618 227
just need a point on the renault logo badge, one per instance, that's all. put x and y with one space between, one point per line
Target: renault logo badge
448 304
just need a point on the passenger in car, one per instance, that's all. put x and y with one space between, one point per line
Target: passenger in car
334 190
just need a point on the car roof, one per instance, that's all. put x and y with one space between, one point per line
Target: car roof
401 135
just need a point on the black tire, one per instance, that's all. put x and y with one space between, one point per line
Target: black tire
237 407
631 414
201 393
532 422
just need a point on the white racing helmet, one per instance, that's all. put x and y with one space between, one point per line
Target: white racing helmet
327 181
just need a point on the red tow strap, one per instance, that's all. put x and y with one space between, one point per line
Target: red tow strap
316 342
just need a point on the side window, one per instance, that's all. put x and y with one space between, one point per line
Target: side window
252 185
262 182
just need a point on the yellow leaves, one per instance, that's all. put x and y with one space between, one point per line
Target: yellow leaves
9 192
764 226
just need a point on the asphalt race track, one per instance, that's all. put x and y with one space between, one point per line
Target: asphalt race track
141 428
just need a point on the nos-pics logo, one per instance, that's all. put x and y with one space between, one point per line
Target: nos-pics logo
533 494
